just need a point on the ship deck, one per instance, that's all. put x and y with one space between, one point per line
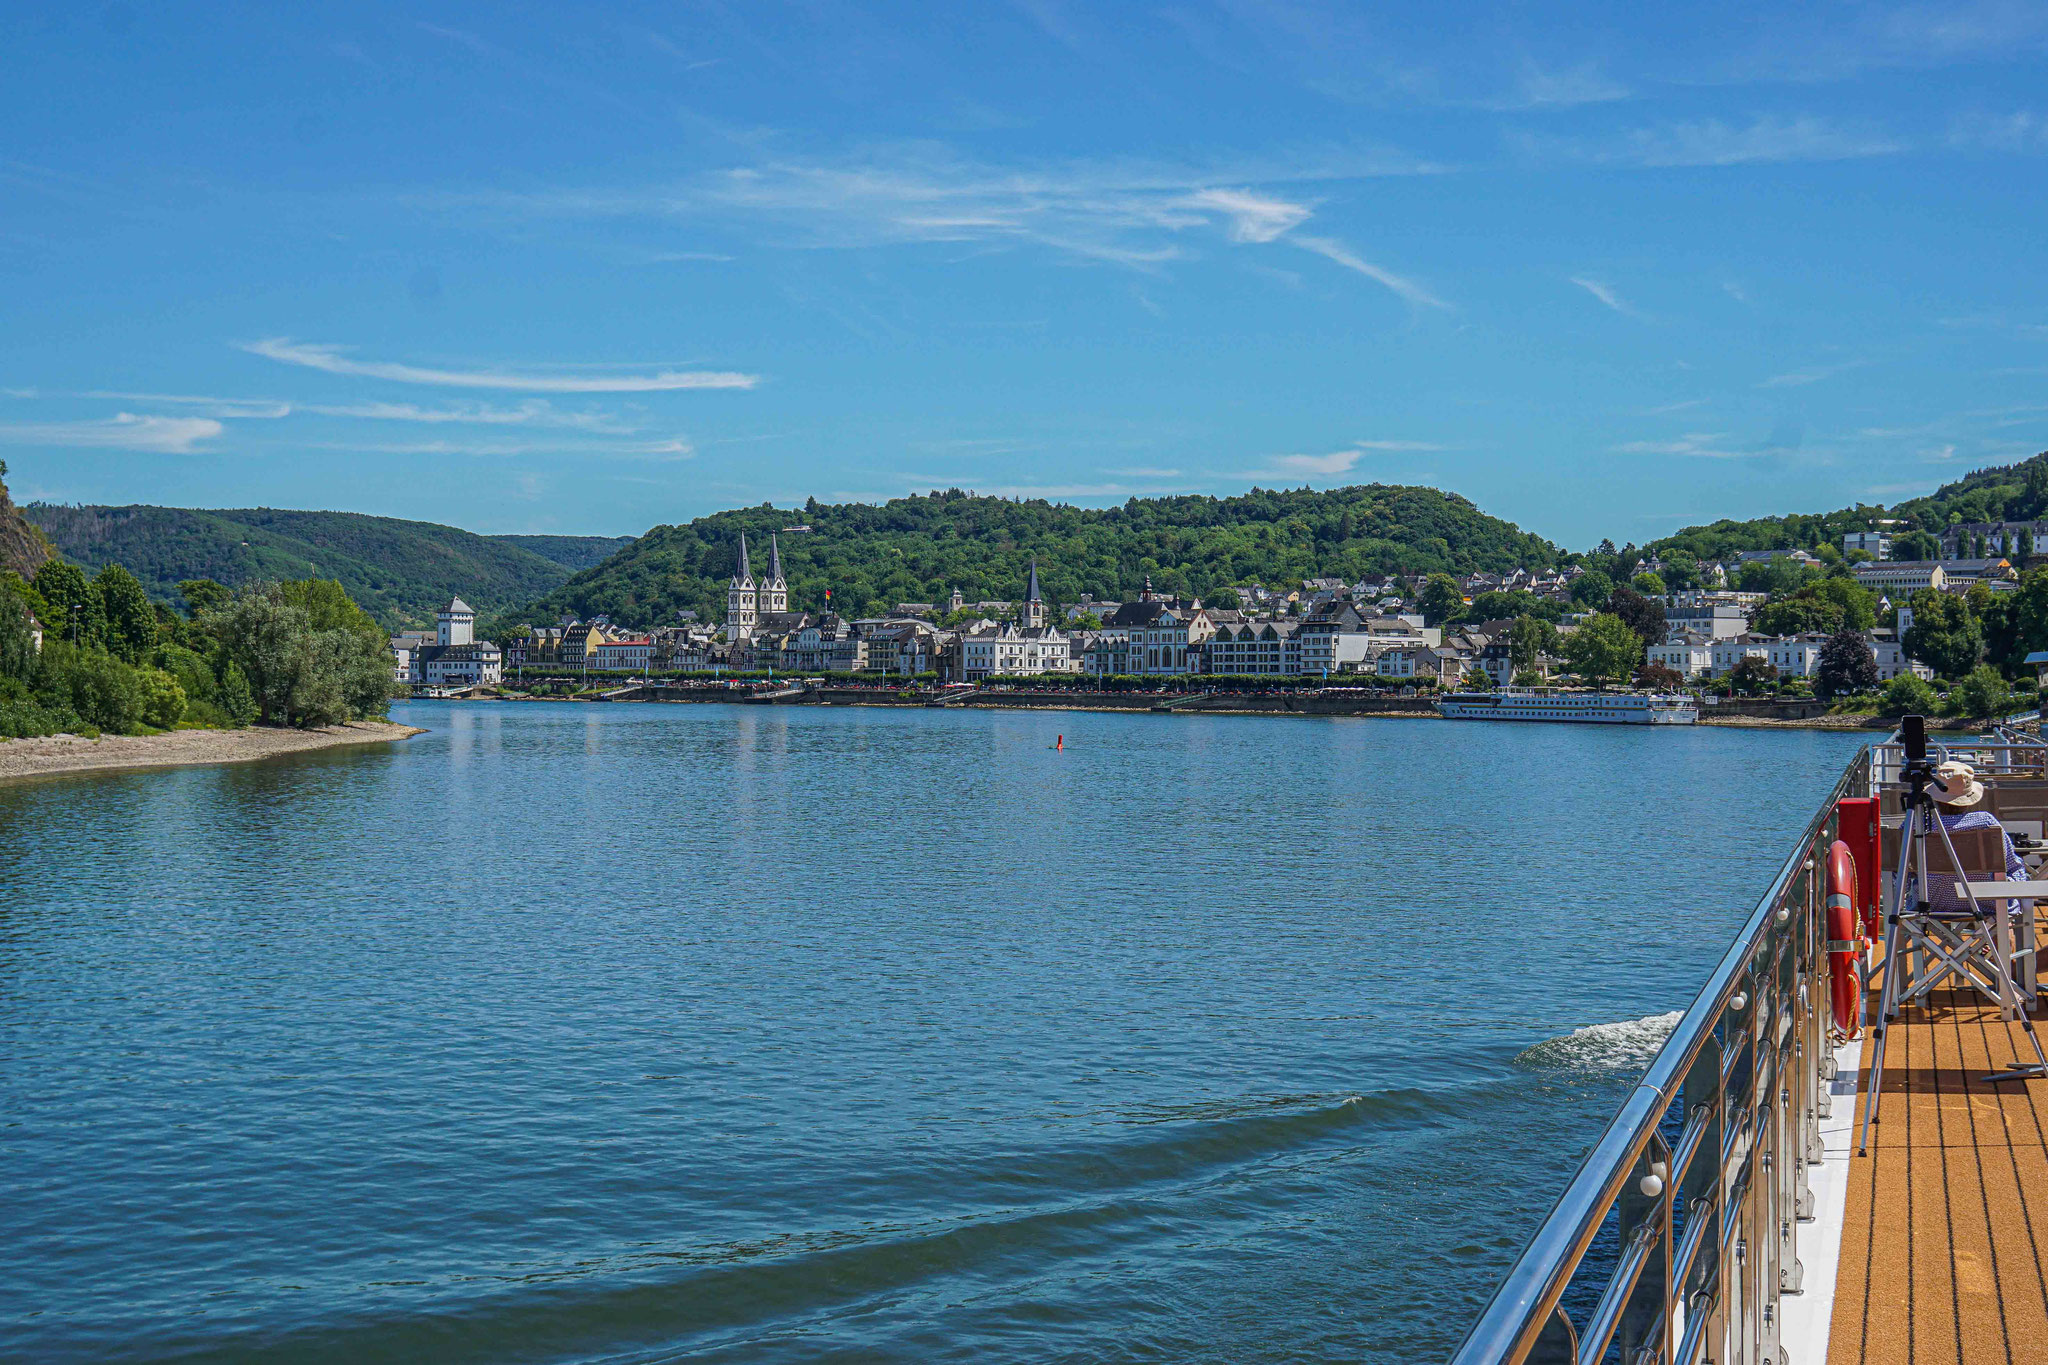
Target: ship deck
1944 1253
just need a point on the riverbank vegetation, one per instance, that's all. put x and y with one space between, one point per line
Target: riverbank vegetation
297 653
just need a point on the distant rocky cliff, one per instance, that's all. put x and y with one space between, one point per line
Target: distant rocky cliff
22 547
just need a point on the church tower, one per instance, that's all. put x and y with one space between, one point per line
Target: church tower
774 588
1034 605
742 600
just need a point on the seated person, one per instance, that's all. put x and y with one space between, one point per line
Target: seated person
1958 794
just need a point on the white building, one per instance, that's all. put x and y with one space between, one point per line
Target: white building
1712 620
1876 544
1688 655
457 658
1724 655
1794 656
1891 660
634 652
1895 579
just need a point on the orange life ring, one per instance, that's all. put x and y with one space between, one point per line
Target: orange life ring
1845 936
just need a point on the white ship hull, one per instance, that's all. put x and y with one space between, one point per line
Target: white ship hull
1582 708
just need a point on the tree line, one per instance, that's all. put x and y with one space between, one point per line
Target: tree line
294 653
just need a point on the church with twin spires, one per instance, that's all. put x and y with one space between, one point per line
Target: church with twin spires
748 601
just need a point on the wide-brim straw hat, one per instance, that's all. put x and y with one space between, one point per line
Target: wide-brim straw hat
1959 785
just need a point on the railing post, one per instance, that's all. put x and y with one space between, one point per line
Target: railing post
1702 1195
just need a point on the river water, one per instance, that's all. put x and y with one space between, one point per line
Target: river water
715 1033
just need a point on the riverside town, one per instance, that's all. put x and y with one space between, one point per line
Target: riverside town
1236 682
1406 635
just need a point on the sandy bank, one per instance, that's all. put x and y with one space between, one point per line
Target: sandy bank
181 748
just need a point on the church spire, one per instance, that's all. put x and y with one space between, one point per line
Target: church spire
1034 605
745 575
1031 591
774 560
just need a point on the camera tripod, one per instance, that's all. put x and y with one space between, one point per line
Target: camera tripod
1969 943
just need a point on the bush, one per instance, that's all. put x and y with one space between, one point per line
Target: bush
1983 695
235 702
163 699
90 683
1908 694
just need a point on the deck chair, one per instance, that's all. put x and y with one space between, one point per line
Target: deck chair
1955 945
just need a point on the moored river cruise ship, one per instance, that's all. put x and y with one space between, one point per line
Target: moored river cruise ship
1593 708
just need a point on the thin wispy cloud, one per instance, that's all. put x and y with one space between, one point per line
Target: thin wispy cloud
245 409
1706 445
675 448
1336 251
125 431
1132 213
1716 142
1252 217
1341 461
333 360
1564 88
1683 405
1605 293
538 414
1793 379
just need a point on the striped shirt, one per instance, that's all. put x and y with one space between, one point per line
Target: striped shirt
1941 887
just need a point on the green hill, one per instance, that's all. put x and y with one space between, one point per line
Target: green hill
2014 492
920 548
399 571
573 553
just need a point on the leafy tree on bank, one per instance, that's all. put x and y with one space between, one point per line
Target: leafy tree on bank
1659 678
298 672
17 639
1822 608
1639 614
75 611
1530 639
1649 584
1506 606
1603 647
1846 665
1908 694
1441 598
203 594
1591 590
1752 674
1944 635
130 630
1983 695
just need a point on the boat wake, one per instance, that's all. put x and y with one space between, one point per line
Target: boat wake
1603 1049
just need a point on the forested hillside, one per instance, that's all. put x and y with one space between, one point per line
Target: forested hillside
399 571
2016 492
573 553
920 548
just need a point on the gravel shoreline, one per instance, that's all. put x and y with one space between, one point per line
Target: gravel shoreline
183 748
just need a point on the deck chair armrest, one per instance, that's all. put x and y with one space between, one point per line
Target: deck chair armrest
2004 891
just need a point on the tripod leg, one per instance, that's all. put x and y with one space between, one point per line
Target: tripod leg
1901 879
1887 1006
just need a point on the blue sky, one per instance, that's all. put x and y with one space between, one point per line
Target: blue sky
1605 269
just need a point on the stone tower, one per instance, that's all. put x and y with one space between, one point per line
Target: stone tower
457 624
742 599
1034 605
774 594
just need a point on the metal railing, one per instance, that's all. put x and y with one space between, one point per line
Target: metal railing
2005 752
1694 1194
